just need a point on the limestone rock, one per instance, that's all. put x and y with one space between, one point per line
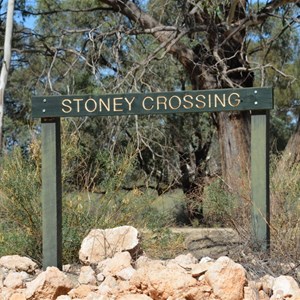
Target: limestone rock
63 297
101 244
2 277
119 276
112 266
48 285
250 294
17 296
213 242
206 259
82 291
267 282
164 283
144 261
263 296
186 260
87 276
18 263
101 298
95 296
201 268
285 286
110 281
15 280
126 273
134 297
227 279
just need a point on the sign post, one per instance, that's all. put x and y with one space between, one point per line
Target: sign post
260 179
51 193
50 108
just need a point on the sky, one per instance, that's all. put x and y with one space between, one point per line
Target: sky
28 21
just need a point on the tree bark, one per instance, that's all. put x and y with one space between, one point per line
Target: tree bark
234 141
6 62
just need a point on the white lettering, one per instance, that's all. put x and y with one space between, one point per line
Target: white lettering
178 102
236 100
144 104
78 103
161 100
129 102
203 104
94 103
69 108
185 100
117 103
106 105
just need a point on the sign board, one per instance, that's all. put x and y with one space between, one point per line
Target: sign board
152 103
51 108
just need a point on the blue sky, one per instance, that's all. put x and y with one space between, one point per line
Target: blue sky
28 22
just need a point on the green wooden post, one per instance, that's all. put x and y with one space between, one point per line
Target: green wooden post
260 179
51 193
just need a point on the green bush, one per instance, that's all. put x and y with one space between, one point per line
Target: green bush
105 205
285 209
20 225
219 205
83 211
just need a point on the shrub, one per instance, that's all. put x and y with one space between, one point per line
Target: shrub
285 210
20 205
219 205
105 205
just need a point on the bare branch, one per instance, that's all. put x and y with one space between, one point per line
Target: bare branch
242 69
270 41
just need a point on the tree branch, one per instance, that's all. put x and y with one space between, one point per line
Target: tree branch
57 11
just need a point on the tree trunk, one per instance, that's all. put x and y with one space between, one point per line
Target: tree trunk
6 62
233 127
234 141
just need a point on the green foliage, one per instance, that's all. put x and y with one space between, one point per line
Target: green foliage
20 225
285 191
219 205
99 51
84 211
103 205
281 128
222 209
275 47
162 243
285 210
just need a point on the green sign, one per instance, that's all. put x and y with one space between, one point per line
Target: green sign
51 108
152 103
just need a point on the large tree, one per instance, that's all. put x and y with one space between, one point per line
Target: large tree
215 57
117 46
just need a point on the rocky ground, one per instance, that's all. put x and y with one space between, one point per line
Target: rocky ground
114 267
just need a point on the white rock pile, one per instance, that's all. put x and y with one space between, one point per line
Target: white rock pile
113 268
